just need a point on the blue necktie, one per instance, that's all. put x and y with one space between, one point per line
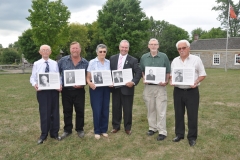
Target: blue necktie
47 67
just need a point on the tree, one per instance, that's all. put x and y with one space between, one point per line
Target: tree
167 35
1 46
49 23
10 56
94 37
122 19
77 32
214 33
234 24
197 31
28 47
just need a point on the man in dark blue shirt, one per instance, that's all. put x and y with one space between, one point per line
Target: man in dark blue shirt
75 95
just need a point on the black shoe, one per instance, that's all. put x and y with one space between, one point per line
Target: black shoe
192 142
57 138
161 137
150 133
40 141
177 139
65 134
80 134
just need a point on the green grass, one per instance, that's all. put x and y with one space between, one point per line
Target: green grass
219 126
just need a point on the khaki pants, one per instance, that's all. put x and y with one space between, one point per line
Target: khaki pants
155 98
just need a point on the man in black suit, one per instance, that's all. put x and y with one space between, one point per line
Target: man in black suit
150 76
117 78
122 97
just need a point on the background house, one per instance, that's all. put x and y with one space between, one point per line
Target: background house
213 52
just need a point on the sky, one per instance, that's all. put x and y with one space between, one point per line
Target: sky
186 14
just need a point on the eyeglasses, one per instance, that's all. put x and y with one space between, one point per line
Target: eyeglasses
45 50
153 44
102 51
183 48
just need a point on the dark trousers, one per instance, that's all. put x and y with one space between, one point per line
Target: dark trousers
73 98
100 98
190 100
48 101
121 102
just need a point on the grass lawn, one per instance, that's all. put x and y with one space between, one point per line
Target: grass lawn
219 126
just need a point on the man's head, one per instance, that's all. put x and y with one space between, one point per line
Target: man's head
45 51
153 45
183 47
75 49
124 47
44 79
117 74
150 71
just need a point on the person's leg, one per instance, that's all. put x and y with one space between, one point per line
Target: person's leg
161 109
79 104
192 106
105 110
96 98
149 96
127 101
179 108
116 109
67 102
55 118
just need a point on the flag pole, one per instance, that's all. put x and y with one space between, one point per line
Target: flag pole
227 38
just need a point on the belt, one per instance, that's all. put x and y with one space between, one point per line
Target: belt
71 88
186 89
151 84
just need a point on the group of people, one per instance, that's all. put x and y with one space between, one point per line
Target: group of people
154 95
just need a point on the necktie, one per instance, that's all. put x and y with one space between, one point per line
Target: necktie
120 63
47 67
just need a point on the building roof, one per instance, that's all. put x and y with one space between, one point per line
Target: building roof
216 44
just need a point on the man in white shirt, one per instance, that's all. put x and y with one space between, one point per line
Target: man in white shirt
48 100
187 95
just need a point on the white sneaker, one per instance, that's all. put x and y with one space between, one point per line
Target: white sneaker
97 136
105 135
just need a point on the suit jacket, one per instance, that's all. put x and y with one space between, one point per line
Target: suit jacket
149 77
130 62
117 81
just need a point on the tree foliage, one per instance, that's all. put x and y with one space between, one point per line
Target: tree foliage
10 56
198 31
234 24
167 35
28 47
49 23
122 19
214 33
77 32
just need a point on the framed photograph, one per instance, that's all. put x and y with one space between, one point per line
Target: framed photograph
183 76
102 78
121 77
155 75
47 81
74 77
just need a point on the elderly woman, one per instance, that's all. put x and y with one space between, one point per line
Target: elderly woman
99 96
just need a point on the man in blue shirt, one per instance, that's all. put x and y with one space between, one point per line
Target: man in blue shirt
75 95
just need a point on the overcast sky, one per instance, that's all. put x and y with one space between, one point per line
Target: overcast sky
186 14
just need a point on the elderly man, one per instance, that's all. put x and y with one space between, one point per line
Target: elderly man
48 100
75 95
155 95
187 95
122 97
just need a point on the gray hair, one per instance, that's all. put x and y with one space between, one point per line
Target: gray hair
45 45
183 41
101 46
126 41
153 39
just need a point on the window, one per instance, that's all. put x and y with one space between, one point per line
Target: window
216 59
237 59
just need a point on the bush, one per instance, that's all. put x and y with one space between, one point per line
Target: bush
9 56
